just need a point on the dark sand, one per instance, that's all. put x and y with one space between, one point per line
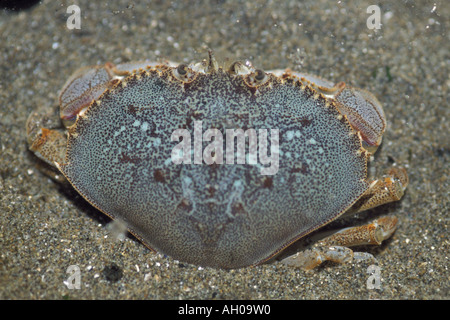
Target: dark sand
46 227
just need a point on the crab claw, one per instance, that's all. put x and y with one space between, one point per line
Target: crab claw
364 112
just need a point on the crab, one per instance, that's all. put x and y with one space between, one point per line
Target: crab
124 145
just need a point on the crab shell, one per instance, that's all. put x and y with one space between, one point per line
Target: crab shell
119 159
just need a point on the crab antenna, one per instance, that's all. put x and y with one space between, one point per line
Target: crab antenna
213 66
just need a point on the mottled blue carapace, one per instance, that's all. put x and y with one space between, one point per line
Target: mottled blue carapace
119 156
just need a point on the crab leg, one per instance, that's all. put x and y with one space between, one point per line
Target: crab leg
389 188
48 144
373 233
335 247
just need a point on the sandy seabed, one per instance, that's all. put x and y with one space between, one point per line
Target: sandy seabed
45 227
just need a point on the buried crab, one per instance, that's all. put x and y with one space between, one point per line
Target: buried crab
119 144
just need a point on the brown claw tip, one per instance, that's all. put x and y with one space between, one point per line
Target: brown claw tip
41 139
400 174
339 85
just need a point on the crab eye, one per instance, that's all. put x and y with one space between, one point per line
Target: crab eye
182 69
256 78
183 73
234 67
238 68
259 75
